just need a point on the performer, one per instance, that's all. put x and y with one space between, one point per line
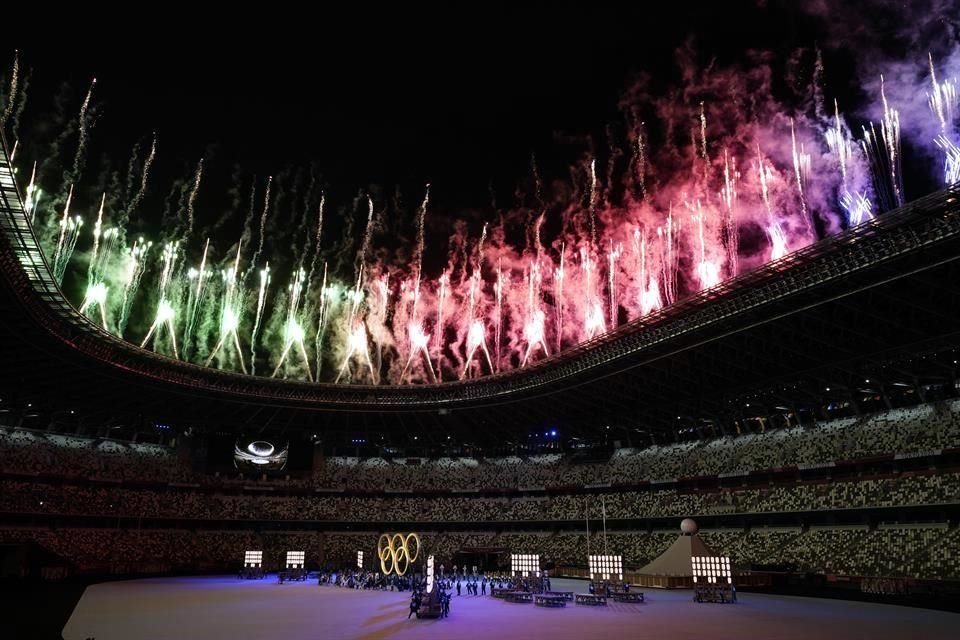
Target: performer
414 604
483 587
458 586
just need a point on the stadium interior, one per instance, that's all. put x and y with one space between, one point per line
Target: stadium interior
792 429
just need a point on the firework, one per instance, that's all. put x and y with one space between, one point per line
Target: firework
553 274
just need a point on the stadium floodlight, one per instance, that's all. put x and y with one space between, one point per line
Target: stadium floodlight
295 559
605 567
360 559
253 559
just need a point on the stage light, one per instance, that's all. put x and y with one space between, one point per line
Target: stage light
606 566
711 569
253 559
429 574
524 564
359 559
295 559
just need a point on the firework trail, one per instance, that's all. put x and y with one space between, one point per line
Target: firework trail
133 273
33 195
418 340
533 333
84 128
11 92
856 205
195 298
165 311
942 99
613 254
801 168
537 180
593 202
641 160
293 333
357 346
21 105
301 228
669 235
97 289
778 240
945 105
707 272
890 130
649 296
261 300
440 328
316 240
476 338
73 234
952 164
97 226
838 143
96 297
367 243
263 226
593 322
499 312
419 345
559 275
326 295
476 331
357 343
729 197
418 255
879 167
64 244
230 312
193 197
142 189
703 145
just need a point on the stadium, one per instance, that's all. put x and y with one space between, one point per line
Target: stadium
757 408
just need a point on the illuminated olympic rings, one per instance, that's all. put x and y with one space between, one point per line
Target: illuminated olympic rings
396 554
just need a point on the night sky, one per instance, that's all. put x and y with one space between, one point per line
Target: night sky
458 97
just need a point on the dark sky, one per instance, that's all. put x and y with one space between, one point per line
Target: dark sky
457 96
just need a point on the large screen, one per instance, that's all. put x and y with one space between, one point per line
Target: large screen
260 454
255 453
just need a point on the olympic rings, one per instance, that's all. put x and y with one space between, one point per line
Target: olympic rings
395 552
